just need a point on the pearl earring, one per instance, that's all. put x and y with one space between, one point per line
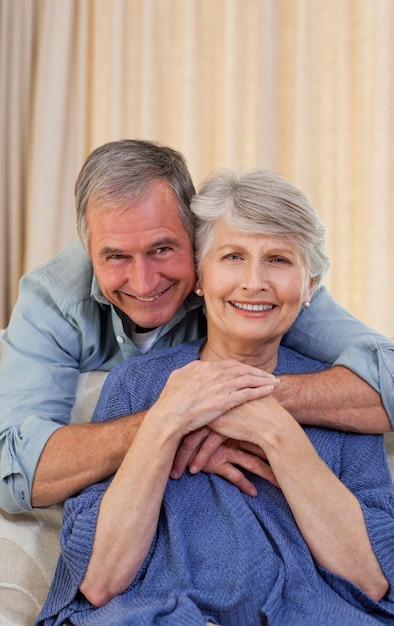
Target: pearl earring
307 304
198 291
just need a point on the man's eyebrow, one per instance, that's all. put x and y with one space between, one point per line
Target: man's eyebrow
159 243
108 251
164 242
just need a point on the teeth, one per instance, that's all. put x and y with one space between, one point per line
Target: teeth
151 299
253 307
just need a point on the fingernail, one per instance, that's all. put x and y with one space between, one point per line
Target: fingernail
174 474
193 469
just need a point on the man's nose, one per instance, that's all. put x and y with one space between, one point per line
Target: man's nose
142 277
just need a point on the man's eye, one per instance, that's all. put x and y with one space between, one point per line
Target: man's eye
162 250
232 256
115 257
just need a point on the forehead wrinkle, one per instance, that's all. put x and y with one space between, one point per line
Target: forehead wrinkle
163 241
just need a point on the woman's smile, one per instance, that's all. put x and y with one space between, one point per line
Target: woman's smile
251 307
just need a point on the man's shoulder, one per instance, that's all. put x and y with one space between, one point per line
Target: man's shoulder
69 272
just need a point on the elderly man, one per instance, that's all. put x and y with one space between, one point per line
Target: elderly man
124 289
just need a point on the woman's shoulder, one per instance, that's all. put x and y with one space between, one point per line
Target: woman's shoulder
135 384
175 357
153 366
292 362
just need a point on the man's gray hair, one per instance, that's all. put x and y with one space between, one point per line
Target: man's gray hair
119 173
258 201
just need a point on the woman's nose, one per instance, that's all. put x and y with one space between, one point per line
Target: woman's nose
254 277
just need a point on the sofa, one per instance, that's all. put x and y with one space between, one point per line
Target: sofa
29 542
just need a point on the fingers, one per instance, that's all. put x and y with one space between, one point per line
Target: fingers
253 449
213 388
223 457
247 394
207 448
237 458
226 376
187 450
238 479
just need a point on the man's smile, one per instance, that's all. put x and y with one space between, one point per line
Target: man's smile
151 298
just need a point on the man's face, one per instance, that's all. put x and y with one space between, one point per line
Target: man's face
143 257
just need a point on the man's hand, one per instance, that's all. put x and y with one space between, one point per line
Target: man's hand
206 450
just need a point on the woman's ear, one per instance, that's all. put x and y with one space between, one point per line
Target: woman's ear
308 293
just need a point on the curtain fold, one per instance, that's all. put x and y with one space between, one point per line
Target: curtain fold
57 136
303 87
16 54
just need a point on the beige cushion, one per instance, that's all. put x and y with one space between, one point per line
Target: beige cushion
29 542
29 548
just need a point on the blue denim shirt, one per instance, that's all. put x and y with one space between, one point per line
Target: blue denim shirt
62 325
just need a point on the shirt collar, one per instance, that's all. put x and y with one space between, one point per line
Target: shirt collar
192 302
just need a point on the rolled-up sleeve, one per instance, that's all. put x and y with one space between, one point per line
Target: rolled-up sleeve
20 449
53 335
38 379
372 358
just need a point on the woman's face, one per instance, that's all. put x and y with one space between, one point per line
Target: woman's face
253 285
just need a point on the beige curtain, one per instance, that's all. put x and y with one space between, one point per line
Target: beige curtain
16 35
304 87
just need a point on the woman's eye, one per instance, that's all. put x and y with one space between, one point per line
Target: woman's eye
279 259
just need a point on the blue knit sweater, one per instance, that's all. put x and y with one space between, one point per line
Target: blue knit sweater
219 555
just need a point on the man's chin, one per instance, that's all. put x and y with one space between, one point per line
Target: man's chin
151 315
149 322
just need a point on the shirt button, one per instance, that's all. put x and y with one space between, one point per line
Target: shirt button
119 339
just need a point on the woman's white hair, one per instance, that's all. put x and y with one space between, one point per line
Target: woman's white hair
258 201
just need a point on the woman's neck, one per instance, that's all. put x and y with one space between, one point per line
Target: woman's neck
264 357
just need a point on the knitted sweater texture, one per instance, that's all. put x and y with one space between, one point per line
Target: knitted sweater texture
219 555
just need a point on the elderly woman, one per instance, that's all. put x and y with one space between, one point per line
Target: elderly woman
316 543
